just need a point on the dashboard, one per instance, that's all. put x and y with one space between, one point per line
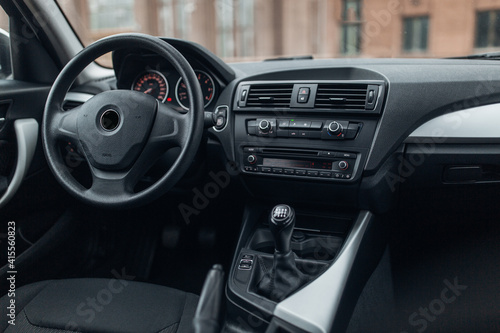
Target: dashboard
335 131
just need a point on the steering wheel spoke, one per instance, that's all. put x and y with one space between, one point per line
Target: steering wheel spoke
110 184
64 125
170 128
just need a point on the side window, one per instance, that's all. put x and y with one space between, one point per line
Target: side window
5 61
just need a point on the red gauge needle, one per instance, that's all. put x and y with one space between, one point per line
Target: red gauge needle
148 91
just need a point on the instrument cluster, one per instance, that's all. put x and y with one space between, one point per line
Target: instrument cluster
153 75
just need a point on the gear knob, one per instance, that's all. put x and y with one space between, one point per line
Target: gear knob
281 224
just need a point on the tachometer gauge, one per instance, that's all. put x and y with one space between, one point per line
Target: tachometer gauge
207 88
152 83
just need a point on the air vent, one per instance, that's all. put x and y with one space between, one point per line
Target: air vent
270 95
68 105
337 96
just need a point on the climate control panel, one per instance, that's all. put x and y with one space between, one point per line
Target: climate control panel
304 128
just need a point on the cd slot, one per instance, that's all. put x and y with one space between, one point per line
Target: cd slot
295 152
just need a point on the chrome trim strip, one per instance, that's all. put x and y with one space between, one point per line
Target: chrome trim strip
476 124
314 307
27 137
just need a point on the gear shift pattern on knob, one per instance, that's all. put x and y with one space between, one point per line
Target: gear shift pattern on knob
281 224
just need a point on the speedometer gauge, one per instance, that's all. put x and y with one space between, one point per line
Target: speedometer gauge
207 88
152 83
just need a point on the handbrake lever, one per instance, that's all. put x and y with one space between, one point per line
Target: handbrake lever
207 316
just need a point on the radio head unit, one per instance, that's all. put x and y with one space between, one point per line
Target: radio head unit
300 163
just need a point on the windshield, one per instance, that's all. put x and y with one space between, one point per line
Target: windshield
248 30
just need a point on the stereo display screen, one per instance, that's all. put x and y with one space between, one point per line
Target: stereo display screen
297 164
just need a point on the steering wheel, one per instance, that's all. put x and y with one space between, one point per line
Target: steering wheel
122 133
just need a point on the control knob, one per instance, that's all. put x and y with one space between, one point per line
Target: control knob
265 126
343 165
251 159
334 128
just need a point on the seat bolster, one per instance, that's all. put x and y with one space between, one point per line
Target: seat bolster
110 305
22 297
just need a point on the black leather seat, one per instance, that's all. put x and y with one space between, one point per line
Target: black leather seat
100 305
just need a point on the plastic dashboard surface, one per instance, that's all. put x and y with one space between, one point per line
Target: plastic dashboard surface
417 90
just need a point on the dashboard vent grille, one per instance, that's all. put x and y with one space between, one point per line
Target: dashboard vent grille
339 96
270 95
68 105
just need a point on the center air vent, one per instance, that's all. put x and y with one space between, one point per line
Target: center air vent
341 96
270 95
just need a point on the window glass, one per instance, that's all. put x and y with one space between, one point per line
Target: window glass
111 14
350 42
253 30
488 29
5 60
416 31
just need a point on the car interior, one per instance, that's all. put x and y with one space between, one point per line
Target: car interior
177 192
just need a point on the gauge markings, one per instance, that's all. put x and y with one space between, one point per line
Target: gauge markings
152 83
207 88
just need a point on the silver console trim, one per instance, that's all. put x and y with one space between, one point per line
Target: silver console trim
476 123
314 308
27 137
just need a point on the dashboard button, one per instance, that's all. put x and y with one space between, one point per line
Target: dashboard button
352 130
303 95
266 170
219 123
317 125
302 98
327 153
277 170
289 171
300 172
325 174
312 173
293 133
345 155
283 123
244 267
301 124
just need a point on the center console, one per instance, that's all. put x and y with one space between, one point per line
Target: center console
303 143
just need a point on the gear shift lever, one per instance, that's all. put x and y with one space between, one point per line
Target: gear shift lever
284 277
281 224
